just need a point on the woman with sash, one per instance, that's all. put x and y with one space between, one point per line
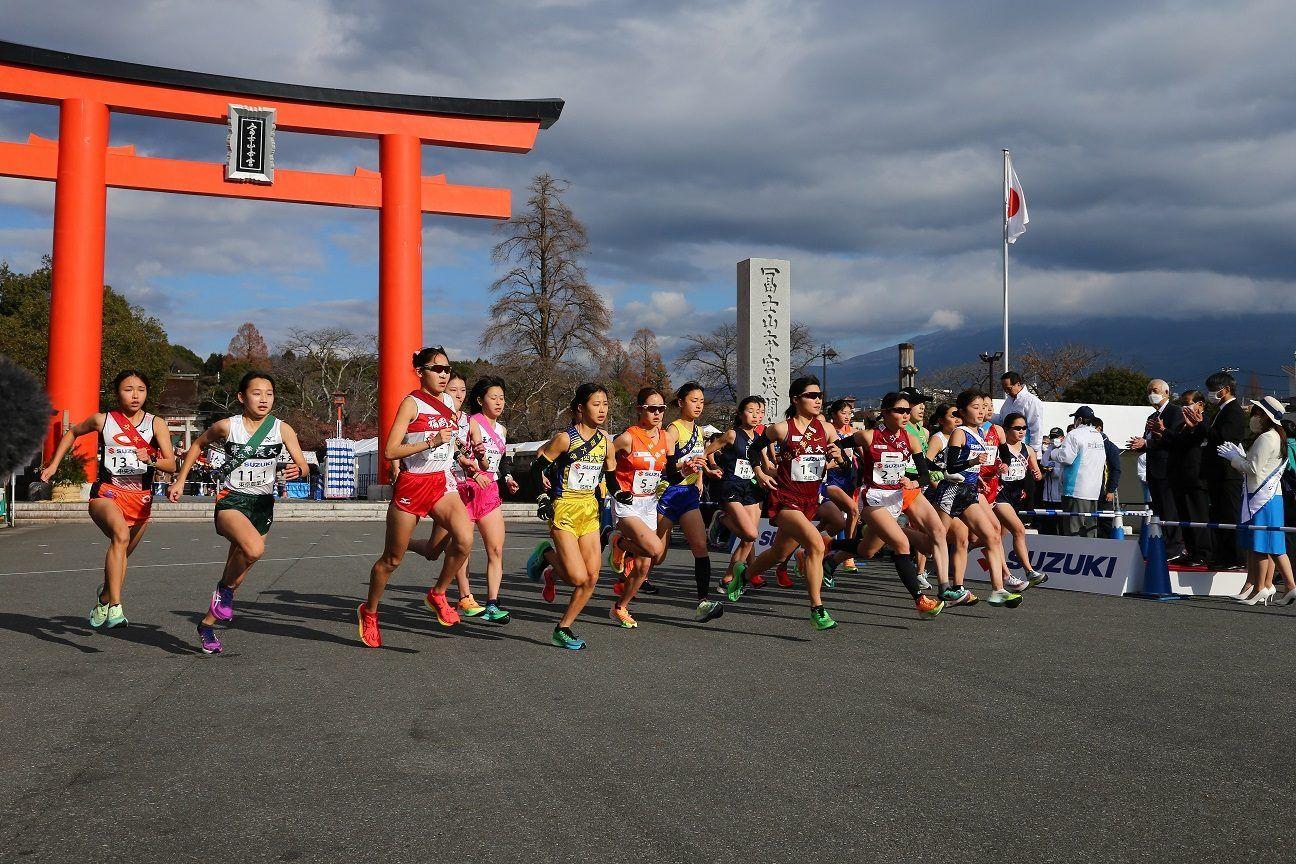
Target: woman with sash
252 443
422 437
1261 466
132 445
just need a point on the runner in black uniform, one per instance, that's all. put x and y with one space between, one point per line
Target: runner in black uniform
741 489
1018 472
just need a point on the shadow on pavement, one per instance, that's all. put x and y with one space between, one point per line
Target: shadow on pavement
49 629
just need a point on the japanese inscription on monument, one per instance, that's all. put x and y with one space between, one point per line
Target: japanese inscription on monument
764 331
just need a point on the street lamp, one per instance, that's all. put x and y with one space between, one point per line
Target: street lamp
826 353
990 359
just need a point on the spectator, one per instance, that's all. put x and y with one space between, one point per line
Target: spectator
1051 488
1186 483
1084 457
1289 477
1141 467
1111 485
1223 480
1262 506
1166 419
1018 399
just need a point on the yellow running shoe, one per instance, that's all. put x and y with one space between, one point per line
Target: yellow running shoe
469 606
622 617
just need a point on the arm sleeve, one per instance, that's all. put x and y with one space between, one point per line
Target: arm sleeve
759 444
539 467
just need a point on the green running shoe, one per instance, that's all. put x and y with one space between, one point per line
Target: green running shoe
735 587
1005 598
116 616
709 610
99 614
564 638
822 620
1034 577
535 563
496 614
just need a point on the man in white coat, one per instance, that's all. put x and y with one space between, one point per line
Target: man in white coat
1083 457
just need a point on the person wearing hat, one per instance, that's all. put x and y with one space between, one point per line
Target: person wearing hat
1083 457
1051 488
1261 467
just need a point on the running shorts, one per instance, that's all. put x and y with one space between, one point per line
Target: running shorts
778 500
678 500
842 480
259 509
576 516
955 497
136 505
480 502
1013 494
643 508
742 492
892 499
417 494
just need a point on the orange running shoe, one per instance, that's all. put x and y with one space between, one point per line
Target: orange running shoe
782 577
928 607
469 607
441 607
622 617
368 621
616 555
550 589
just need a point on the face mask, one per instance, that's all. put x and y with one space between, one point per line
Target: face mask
1154 398
1213 398
1257 424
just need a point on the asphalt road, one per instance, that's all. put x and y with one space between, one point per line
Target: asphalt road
1075 728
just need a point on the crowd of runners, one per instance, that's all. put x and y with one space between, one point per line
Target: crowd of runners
927 486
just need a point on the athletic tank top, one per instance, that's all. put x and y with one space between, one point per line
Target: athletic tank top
1015 464
463 445
688 445
256 474
426 424
732 458
887 459
941 453
802 458
118 464
990 471
579 470
639 471
494 439
846 473
973 446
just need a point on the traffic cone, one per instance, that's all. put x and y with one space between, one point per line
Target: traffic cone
1156 574
1118 527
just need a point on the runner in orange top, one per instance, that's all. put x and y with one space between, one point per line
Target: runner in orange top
132 445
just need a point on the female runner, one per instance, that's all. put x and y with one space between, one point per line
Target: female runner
423 438
1016 461
742 481
132 444
577 459
944 421
959 495
680 503
805 445
634 546
842 480
887 452
253 442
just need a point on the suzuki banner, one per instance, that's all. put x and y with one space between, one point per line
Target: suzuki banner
1079 564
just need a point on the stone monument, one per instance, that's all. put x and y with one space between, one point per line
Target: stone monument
765 332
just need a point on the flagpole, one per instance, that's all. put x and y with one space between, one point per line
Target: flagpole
1004 216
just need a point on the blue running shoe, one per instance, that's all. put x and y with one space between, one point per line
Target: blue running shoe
535 564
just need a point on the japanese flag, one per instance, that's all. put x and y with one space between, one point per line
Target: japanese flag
1015 216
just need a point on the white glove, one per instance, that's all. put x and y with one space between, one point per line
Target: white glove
1233 453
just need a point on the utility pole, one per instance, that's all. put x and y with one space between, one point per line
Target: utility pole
908 371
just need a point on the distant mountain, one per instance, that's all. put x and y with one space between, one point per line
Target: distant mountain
1183 352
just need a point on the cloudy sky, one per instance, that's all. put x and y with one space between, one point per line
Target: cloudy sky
860 140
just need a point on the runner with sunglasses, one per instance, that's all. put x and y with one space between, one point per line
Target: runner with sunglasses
805 446
253 442
1016 463
944 421
132 445
422 437
743 482
681 501
570 466
886 453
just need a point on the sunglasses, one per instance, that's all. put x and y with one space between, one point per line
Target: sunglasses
815 395
438 368
653 409
900 410
1017 428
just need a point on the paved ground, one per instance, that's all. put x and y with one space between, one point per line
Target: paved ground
1074 728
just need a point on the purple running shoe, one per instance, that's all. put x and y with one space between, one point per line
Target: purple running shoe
207 636
222 603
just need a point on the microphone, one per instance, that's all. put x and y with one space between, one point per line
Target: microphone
27 413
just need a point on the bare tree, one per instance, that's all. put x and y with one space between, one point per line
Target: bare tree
544 308
1050 371
248 345
712 358
962 376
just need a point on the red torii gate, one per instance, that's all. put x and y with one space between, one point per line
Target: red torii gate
83 166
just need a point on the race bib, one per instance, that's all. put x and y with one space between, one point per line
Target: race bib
743 470
122 462
493 462
253 472
993 454
808 467
645 483
439 458
890 470
1016 471
583 476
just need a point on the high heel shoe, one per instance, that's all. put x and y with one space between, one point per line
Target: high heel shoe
1262 597
1286 599
1246 592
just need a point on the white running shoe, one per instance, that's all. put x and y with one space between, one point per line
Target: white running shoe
923 583
1012 583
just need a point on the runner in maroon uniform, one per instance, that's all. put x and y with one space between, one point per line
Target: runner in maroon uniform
805 446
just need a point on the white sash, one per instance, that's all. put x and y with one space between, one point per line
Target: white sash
1254 502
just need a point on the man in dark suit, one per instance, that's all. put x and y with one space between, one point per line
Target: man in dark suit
1166 419
1189 489
1223 482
